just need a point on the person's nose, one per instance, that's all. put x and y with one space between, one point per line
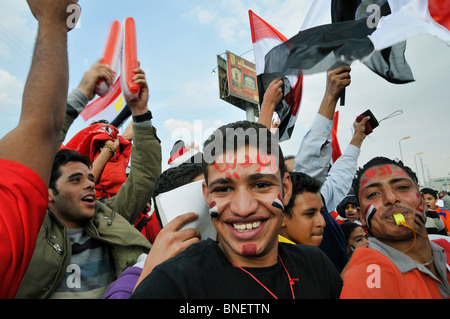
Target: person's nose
89 184
390 197
243 202
320 221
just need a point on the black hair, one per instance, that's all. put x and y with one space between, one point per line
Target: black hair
347 228
430 191
237 135
288 157
380 160
63 157
301 183
175 177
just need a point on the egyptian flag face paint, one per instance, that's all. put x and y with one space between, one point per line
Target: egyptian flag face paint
278 203
213 211
372 210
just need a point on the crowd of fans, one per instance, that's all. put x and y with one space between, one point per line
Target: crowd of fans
78 224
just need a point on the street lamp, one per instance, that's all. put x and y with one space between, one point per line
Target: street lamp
423 174
415 160
400 147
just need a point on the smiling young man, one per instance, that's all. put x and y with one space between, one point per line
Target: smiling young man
246 186
400 261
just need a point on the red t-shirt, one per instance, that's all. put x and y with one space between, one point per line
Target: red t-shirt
23 203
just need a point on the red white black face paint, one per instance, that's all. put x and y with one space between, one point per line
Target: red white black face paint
278 203
372 210
213 210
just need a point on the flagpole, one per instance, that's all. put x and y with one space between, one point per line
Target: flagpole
342 97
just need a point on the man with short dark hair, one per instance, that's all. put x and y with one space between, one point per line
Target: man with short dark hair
303 221
246 187
438 219
400 260
84 244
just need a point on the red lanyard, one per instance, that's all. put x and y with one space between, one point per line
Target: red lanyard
291 281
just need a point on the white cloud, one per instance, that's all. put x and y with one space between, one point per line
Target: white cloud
10 93
203 15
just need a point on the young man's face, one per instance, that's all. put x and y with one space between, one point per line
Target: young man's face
390 190
306 224
243 192
352 212
430 201
75 202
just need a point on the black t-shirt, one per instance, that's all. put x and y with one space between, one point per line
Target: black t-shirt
203 271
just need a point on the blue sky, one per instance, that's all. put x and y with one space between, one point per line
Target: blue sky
178 42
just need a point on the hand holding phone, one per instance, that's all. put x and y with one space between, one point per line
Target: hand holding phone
371 124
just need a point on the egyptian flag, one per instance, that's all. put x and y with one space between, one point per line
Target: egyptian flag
111 107
319 47
264 38
180 154
278 203
389 63
326 46
213 210
369 215
334 140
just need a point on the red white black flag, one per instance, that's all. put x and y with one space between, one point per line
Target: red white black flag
264 38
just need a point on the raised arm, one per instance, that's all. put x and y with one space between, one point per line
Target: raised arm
33 141
145 164
272 97
314 154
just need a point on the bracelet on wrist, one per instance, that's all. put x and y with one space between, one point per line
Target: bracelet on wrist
110 148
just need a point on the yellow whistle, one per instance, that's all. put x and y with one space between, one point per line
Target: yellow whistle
399 219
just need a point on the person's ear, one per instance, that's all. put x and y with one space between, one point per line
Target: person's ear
287 188
51 195
205 192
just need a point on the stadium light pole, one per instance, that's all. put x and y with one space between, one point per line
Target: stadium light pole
400 146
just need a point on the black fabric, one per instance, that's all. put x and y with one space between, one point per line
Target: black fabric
121 117
342 42
202 271
333 243
321 48
91 243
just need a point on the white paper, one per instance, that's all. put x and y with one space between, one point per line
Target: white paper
185 199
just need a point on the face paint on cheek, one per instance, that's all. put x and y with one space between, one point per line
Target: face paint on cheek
249 249
278 203
370 212
419 218
213 210
421 204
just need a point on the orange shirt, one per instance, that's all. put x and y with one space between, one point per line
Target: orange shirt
372 275
445 215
